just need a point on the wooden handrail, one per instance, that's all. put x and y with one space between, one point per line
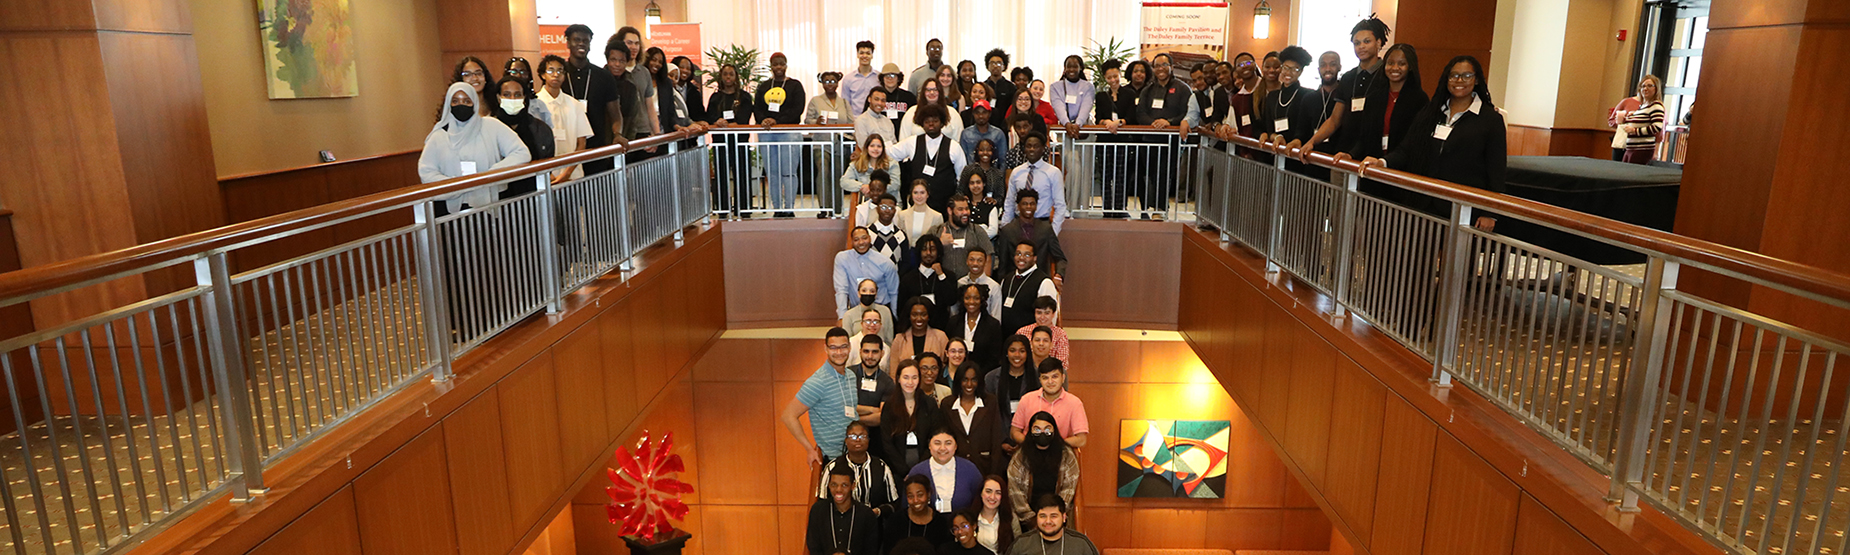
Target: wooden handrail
1798 277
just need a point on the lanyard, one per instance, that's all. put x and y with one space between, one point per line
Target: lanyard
1062 545
838 544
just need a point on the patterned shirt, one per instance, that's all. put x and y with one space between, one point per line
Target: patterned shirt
830 397
889 240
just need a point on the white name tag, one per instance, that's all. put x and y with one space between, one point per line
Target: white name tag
831 115
1012 405
468 167
912 439
1384 142
849 412
944 505
1441 132
869 384
1072 99
1281 125
775 106
1357 104
1246 120
726 114
930 170
680 113
1008 302
891 113
1156 104
957 243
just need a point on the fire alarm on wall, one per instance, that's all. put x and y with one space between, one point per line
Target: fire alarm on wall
1621 35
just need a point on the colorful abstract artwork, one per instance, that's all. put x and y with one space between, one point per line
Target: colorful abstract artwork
1173 458
308 48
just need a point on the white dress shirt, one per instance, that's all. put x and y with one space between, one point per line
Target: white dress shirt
944 477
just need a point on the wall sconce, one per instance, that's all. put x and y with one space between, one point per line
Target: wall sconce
652 13
1262 20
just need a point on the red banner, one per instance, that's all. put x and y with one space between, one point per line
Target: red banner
552 41
677 39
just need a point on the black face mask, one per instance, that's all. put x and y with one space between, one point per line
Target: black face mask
867 300
1043 440
462 113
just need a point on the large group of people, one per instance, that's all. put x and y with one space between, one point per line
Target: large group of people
941 416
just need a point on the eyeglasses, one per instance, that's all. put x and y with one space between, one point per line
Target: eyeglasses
476 73
516 71
857 437
1462 76
871 321
554 70
828 81
837 347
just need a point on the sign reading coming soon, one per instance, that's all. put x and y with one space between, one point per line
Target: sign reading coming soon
1191 32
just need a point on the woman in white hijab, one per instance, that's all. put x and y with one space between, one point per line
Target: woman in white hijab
465 143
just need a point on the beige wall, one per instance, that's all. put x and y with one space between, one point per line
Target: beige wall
1538 32
400 70
1583 65
1557 64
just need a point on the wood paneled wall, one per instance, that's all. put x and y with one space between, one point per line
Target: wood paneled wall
480 464
1526 140
780 272
1401 466
248 197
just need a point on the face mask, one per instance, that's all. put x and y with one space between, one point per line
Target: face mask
867 300
512 105
462 113
1043 440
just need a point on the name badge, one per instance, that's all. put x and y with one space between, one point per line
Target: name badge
1281 125
680 113
1156 104
892 114
848 411
944 505
1357 104
1246 120
1012 405
912 439
869 384
930 170
1384 142
775 106
831 115
726 114
1072 99
1008 302
957 243
468 167
1441 132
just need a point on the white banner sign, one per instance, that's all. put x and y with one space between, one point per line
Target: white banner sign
1184 23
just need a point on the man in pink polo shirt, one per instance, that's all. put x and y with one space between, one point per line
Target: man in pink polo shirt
1068 412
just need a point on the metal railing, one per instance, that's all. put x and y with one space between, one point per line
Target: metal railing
793 169
123 419
1137 171
1727 420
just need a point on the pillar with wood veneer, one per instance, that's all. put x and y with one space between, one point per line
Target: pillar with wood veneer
492 30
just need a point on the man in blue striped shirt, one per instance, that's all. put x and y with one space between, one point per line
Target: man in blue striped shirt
829 397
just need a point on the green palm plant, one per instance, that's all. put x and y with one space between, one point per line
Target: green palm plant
746 59
1096 55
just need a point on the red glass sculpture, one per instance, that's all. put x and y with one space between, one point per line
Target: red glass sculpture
644 494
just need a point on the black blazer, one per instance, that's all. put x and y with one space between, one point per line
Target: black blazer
1475 153
696 109
943 290
1363 129
989 339
1047 251
981 443
925 418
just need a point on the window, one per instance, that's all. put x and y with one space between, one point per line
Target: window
1672 35
1323 26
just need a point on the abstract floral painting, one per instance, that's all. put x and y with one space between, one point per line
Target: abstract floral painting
308 48
1173 458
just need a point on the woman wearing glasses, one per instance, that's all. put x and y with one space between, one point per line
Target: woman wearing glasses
1458 137
1290 114
471 70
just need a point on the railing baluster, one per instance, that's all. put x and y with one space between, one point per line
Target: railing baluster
431 289
244 465
1638 401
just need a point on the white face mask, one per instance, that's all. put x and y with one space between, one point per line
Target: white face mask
512 105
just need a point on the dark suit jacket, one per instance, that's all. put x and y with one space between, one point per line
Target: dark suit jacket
1046 248
913 284
981 443
989 340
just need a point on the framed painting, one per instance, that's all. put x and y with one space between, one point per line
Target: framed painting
308 48
1173 458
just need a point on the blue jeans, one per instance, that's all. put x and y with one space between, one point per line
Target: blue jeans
782 165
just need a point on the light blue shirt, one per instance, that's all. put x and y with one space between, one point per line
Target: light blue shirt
1046 181
971 136
1080 109
852 267
855 87
829 395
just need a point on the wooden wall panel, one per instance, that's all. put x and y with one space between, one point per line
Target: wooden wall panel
736 425
1540 532
764 259
535 473
1247 346
646 339
1274 381
1473 509
738 529
331 528
1355 446
1307 430
584 427
619 367
1102 290
403 502
1404 481
479 476
675 336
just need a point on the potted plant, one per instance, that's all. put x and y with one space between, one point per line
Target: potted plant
644 496
1096 55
